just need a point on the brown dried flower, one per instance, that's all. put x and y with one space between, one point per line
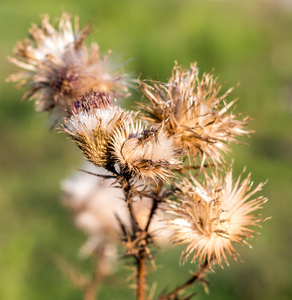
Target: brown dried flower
192 109
211 216
59 67
145 153
92 124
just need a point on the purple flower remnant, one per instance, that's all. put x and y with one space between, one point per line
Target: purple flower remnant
92 100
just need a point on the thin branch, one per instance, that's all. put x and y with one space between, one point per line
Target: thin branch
189 282
91 289
99 175
199 167
88 286
152 212
156 199
78 279
129 195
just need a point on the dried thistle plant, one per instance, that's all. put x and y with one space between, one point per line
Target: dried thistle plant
192 109
144 162
210 215
59 68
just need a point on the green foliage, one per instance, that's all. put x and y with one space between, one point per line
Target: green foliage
244 41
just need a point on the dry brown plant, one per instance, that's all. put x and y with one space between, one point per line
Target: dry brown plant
149 164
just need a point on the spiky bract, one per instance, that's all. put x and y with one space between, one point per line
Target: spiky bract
58 67
145 153
213 215
92 124
192 109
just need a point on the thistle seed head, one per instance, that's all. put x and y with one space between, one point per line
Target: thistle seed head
145 153
193 110
57 67
92 124
212 216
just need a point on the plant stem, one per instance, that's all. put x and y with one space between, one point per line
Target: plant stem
204 267
141 244
128 190
155 201
141 276
92 287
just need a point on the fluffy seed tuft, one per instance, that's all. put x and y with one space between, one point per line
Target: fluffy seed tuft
58 67
212 216
193 110
145 153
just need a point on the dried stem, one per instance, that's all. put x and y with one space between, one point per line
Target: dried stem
98 175
88 286
141 278
152 212
139 238
195 167
129 195
156 199
204 267
91 289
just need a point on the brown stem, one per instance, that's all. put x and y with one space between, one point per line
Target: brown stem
142 254
129 199
98 175
134 220
156 198
197 167
92 287
189 282
141 244
141 276
101 271
152 212
90 293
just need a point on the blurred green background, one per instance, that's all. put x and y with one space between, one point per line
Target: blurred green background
249 42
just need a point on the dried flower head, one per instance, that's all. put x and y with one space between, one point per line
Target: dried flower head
92 124
145 153
193 109
58 67
211 216
94 204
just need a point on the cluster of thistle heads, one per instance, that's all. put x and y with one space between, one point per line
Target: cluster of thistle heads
177 141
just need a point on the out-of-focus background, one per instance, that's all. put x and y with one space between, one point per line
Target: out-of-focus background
246 42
